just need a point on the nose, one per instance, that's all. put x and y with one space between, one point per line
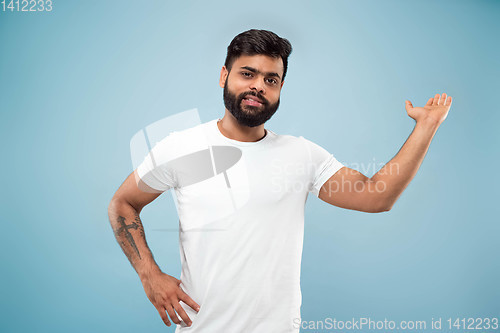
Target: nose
258 84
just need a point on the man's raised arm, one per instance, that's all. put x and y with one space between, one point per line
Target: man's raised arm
162 290
350 189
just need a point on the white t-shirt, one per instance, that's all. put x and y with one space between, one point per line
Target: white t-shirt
241 223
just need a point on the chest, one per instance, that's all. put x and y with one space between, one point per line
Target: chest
262 180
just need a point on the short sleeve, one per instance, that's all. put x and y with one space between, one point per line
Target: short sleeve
323 165
154 170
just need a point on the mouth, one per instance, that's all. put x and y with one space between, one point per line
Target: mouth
252 100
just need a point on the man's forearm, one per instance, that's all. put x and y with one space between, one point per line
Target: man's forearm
129 233
398 172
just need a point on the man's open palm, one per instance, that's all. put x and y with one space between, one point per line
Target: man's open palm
436 109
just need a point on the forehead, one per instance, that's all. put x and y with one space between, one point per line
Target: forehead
262 63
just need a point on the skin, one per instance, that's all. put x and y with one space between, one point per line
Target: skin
347 188
163 290
241 81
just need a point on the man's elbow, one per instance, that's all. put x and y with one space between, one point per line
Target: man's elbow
115 205
112 208
378 210
386 207
374 208
376 201
382 207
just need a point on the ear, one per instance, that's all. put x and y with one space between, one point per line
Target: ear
282 84
223 76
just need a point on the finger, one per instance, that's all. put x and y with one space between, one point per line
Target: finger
442 101
429 102
436 100
448 102
408 105
183 314
164 316
189 301
172 314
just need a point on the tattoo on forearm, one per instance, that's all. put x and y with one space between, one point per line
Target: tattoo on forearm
139 223
122 243
123 228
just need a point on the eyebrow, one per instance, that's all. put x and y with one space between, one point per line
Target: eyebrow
251 69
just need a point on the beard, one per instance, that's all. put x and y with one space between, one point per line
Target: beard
248 115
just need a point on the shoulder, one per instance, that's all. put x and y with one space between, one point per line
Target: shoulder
311 149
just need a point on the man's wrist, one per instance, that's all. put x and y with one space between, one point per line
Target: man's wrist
149 270
428 124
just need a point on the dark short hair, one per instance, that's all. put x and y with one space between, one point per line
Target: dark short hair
253 42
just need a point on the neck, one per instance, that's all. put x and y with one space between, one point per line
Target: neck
230 128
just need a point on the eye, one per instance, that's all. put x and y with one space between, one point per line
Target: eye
246 74
272 81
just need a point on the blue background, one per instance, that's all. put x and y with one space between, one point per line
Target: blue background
76 84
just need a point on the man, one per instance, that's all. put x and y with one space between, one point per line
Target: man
241 221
